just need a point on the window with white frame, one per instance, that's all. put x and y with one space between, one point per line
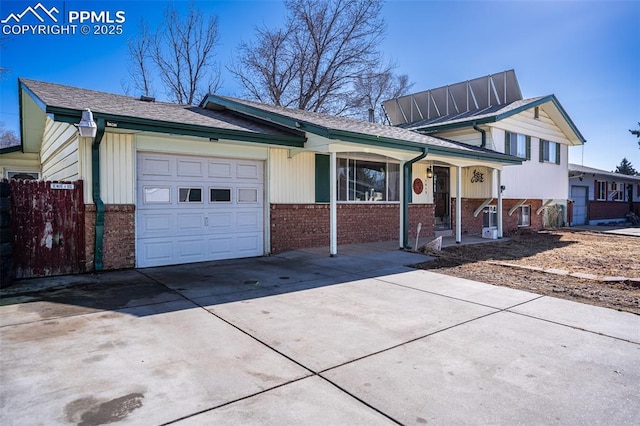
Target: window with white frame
490 217
189 195
367 180
549 152
601 190
618 192
524 216
517 145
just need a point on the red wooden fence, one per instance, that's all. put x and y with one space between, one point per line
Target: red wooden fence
47 219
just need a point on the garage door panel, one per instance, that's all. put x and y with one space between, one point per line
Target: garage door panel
155 166
190 222
220 169
250 245
181 220
156 224
221 247
190 168
249 171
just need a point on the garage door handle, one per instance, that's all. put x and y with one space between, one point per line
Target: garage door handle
206 221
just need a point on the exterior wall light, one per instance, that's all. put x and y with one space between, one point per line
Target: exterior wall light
87 127
429 173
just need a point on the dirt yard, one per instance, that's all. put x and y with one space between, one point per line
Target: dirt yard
602 255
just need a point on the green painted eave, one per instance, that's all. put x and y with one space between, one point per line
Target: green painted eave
149 125
356 137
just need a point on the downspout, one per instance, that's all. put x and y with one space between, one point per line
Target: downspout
97 200
405 199
483 144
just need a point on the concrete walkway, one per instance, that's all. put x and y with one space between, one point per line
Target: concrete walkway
303 338
624 229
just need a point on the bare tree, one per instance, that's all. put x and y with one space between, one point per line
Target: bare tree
374 87
139 57
8 138
313 63
182 52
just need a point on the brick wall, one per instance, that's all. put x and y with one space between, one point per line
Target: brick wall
119 236
295 226
473 225
610 209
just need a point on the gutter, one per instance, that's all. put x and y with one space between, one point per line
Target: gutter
407 193
483 144
97 199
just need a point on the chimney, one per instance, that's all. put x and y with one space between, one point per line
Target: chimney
371 116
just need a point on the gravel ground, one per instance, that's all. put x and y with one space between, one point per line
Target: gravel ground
584 252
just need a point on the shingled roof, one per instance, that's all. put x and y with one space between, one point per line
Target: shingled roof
56 97
351 130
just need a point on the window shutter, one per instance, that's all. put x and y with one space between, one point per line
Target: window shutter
507 143
557 153
528 147
606 190
541 159
322 178
596 190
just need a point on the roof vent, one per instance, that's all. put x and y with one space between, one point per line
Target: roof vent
147 98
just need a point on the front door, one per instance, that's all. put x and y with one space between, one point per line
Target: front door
442 198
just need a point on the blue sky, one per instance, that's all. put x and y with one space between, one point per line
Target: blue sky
587 53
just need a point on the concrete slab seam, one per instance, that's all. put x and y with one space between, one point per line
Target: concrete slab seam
572 326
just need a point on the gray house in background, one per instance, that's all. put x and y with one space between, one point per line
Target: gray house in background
600 196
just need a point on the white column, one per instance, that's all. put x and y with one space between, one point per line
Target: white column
458 204
401 199
499 203
333 206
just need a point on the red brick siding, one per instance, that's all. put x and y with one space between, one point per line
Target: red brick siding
598 210
473 225
119 236
295 226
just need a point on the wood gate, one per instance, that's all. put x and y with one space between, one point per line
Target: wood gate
47 219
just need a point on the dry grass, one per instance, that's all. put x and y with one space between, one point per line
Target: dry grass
585 252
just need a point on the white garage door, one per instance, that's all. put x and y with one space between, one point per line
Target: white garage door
193 209
579 197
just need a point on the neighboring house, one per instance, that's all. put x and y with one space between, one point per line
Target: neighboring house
599 196
490 112
230 178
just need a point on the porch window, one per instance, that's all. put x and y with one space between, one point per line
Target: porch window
490 217
549 152
517 145
366 180
524 216
601 190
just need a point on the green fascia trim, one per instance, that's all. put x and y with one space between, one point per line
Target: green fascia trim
497 157
498 117
143 124
15 148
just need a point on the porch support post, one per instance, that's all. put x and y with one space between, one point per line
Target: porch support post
499 203
333 206
458 204
401 199
406 190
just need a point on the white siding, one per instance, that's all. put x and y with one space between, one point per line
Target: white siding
291 180
524 123
172 144
117 172
19 161
472 187
419 171
59 151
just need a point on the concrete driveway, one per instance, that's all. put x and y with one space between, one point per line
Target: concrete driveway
302 338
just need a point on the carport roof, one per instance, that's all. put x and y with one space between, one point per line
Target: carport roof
356 131
66 103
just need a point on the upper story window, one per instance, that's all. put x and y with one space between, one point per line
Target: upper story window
517 145
549 152
366 180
